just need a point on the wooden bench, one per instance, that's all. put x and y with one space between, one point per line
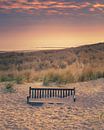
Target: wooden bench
43 93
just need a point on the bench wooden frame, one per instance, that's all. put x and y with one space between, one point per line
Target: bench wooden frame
50 93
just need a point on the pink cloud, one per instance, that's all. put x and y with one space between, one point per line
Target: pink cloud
51 6
98 5
91 9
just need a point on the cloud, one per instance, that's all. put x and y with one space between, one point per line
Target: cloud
98 5
52 6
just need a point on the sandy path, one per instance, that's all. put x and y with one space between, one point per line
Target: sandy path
87 113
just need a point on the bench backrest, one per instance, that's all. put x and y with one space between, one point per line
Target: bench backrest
51 92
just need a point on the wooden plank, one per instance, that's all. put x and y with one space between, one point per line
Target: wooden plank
37 93
71 92
32 94
40 93
48 94
52 89
53 93
66 93
45 94
58 93
61 93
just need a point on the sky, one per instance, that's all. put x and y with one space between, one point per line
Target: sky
35 24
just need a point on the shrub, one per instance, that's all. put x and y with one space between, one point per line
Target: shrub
45 81
90 75
84 76
9 87
58 77
6 78
49 78
68 77
62 65
19 80
28 76
100 74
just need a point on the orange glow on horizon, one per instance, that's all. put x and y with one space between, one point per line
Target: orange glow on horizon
51 36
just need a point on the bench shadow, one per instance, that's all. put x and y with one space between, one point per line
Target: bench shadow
40 104
37 104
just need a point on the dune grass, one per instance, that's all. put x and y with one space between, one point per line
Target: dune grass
58 76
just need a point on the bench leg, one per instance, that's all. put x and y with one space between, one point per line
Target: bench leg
27 99
74 98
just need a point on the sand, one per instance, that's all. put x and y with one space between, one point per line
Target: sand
87 113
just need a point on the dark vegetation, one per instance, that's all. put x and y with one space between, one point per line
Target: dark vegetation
9 88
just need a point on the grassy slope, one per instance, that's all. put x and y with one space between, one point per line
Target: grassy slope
30 65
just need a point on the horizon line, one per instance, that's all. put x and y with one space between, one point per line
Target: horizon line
33 49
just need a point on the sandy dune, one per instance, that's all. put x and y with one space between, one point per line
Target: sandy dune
87 113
